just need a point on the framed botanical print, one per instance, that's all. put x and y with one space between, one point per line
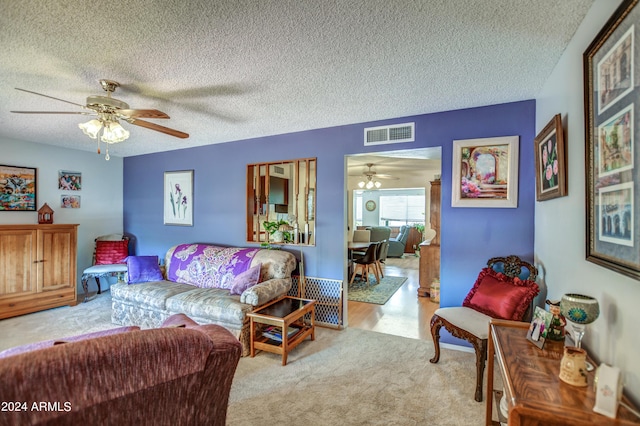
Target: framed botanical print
485 172
551 161
611 143
178 198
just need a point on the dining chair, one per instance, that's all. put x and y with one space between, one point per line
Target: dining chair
367 263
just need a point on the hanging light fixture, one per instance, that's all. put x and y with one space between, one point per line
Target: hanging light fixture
112 131
369 183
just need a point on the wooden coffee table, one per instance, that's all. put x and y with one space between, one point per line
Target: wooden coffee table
283 313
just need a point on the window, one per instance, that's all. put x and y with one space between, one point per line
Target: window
357 208
402 207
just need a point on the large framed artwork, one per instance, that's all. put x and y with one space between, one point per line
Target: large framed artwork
178 198
611 140
551 161
485 172
18 188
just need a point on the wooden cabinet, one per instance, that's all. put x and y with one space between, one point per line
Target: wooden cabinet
534 392
430 254
37 268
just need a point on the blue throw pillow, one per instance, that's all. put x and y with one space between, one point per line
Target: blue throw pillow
141 269
245 280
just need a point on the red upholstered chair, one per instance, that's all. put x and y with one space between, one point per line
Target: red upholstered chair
108 260
504 289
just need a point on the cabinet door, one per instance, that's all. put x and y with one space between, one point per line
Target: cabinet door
18 265
56 253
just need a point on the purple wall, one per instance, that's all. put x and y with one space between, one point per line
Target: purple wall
469 236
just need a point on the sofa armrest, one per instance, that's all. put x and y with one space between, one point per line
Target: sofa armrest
265 291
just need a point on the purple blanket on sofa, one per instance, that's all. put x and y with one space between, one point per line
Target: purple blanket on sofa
208 266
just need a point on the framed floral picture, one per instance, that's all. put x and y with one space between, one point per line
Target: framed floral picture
18 188
551 161
611 143
178 198
485 172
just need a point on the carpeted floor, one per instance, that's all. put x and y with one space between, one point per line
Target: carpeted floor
346 377
374 292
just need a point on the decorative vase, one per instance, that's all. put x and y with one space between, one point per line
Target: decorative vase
278 237
434 292
573 367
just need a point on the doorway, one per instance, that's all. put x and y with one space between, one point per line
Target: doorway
404 314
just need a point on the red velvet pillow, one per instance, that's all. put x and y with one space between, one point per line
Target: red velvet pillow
111 252
500 296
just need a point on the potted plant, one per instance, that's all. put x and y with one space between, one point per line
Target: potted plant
274 229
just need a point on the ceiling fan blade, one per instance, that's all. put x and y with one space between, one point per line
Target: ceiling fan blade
145 113
157 127
51 97
54 112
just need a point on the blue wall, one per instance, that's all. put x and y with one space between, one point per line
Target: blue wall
469 236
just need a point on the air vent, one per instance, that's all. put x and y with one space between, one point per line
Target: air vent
396 133
278 169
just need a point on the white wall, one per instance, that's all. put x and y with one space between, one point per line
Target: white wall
560 223
100 210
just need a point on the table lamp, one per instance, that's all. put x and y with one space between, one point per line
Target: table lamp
579 310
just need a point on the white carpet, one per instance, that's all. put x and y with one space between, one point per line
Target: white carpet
347 377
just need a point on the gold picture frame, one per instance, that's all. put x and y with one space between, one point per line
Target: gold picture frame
551 161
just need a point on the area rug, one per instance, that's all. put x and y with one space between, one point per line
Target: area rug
374 292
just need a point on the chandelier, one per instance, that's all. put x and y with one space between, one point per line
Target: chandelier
370 183
112 131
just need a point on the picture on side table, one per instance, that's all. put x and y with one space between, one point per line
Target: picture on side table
551 161
178 198
611 154
485 172
537 333
18 188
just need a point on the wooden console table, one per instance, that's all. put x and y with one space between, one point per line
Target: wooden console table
535 394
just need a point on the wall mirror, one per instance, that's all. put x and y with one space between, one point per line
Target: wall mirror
281 202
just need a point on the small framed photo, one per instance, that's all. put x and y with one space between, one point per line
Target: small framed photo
18 188
485 172
537 333
178 198
551 161
70 201
69 181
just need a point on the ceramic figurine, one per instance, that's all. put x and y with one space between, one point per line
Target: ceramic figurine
556 328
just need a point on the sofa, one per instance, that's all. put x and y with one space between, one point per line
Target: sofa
379 233
397 244
179 374
206 283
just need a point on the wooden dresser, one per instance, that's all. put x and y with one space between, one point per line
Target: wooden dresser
37 268
535 393
430 254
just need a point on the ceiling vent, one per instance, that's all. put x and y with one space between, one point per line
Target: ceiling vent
396 133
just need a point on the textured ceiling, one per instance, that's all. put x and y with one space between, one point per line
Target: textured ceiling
228 70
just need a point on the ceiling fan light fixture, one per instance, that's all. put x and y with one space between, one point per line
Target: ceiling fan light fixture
361 184
377 184
91 128
113 132
369 185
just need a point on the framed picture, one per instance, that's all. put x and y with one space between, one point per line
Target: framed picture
18 188
611 141
69 181
540 323
178 198
70 201
551 161
485 172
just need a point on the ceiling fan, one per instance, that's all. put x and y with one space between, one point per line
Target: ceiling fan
370 176
108 111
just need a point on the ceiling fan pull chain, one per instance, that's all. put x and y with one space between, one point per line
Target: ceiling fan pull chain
106 157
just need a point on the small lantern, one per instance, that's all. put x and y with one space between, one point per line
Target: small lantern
45 214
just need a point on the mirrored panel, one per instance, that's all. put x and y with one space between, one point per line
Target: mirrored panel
281 202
